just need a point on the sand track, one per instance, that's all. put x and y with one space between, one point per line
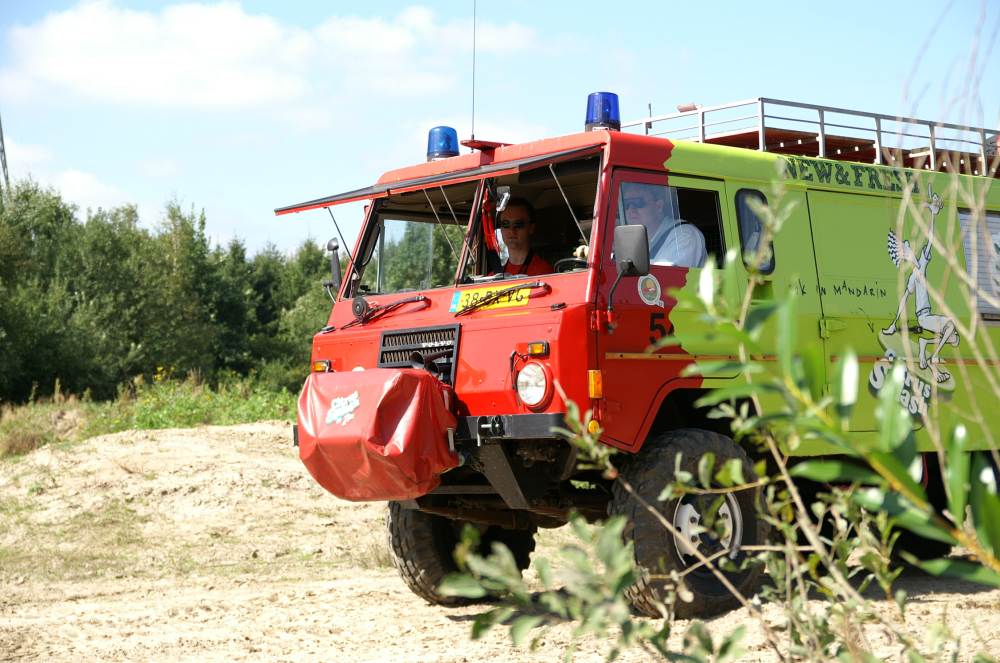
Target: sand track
215 544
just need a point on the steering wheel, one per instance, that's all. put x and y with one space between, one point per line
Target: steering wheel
569 264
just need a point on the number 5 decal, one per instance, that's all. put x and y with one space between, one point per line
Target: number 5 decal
656 328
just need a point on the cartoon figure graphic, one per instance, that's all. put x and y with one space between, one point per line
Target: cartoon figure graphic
942 327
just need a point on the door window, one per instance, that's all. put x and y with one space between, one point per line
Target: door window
752 229
683 225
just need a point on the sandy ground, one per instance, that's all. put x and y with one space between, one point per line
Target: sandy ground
214 544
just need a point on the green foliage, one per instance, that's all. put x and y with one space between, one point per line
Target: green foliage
161 403
97 302
415 256
180 404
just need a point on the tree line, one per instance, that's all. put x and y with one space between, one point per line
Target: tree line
94 302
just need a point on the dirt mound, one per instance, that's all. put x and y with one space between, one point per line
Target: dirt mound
214 543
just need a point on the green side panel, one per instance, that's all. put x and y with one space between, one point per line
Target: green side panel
855 252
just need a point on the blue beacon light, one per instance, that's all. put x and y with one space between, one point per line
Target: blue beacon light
602 112
442 142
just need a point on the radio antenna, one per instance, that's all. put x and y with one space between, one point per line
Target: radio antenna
472 135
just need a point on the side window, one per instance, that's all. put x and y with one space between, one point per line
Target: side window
752 229
981 236
684 225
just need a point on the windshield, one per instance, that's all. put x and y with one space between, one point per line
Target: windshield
414 241
545 224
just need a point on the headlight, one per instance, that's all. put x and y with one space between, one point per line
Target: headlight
532 385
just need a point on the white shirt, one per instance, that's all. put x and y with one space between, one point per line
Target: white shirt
677 243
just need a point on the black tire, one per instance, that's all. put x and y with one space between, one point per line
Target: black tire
422 546
657 552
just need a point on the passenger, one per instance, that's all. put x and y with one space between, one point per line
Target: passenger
672 241
517 225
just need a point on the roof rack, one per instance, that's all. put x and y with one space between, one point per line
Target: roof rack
791 127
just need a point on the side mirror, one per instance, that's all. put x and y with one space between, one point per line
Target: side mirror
631 248
333 246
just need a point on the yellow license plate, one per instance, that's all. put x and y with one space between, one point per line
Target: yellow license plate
465 298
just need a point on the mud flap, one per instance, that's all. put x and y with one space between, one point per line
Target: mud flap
379 434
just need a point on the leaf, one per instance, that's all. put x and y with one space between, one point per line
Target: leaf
957 478
730 648
847 394
903 513
735 392
521 627
759 314
609 540
898 472
720 368
814 367
731 473
786 336
483 622
956 568
579 526
985 503
705 466
544 571
461 584
706 284
895 421
830 470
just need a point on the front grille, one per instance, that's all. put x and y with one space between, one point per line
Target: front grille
397 348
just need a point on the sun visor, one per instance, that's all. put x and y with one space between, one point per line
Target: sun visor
441 179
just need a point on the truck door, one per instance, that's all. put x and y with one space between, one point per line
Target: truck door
634 380
791 267
856 282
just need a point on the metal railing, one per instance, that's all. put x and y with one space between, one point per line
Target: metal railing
923 141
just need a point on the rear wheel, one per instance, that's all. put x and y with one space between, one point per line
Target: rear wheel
422 545
658 551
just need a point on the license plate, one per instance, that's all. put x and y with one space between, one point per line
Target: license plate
465 298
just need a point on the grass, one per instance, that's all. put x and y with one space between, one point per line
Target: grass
101 541
144 405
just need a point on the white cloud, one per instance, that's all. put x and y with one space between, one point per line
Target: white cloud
188 55
217 56
86 191
22 157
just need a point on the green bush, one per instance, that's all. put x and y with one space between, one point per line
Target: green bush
166 403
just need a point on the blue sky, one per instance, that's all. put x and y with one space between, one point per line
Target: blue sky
240 107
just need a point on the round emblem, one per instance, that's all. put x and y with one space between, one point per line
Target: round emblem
649 290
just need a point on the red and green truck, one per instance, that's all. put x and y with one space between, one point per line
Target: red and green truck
440 375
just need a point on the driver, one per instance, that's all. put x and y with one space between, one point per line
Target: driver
672 241
517 225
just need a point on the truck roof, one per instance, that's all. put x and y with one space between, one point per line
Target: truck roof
762 124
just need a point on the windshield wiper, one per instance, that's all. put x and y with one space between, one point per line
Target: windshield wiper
363 313
498 295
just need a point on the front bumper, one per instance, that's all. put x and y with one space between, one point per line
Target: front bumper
509 426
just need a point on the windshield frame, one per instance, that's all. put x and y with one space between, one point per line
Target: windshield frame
373 236
473 223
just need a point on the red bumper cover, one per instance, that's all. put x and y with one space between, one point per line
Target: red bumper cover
379 434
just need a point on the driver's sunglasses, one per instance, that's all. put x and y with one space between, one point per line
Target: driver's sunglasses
635 203
516 225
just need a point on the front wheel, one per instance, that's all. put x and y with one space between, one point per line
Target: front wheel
659 552
422 548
